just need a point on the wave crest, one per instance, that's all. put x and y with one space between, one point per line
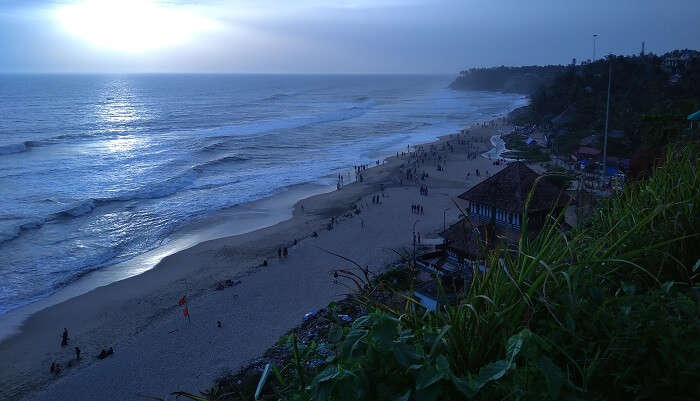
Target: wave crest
14 148
219 162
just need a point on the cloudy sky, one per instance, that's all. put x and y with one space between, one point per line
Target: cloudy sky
330 36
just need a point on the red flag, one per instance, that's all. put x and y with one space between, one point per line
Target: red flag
186 312
181 301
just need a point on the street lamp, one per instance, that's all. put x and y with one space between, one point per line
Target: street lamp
607 117
444 226
595 37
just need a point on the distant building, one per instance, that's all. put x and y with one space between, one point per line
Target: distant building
621 163
590 141
586 152
449 269
678 60
694 119
501 198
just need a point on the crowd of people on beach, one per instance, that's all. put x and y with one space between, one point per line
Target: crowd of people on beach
56 368
359 172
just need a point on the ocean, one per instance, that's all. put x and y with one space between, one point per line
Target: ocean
97 169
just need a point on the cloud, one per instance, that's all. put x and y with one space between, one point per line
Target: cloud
341 35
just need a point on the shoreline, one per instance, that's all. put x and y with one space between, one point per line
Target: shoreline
103 306
246 217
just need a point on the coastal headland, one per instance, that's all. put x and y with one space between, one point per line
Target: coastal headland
240 296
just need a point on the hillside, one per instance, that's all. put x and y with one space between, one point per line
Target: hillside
651 96
650 99
525 80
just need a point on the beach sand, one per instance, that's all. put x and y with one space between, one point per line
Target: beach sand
158 350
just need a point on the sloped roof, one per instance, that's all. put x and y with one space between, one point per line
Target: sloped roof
509 188
587 150
695 116
463 236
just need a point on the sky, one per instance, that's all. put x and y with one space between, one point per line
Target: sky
330 36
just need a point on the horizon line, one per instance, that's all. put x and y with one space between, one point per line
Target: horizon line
214 73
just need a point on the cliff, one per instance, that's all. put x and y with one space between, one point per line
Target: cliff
524 80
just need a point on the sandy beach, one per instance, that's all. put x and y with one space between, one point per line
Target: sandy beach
158 350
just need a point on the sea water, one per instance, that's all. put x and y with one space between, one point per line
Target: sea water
97 169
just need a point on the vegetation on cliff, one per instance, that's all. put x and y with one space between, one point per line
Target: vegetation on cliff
525 80
649 102
651 96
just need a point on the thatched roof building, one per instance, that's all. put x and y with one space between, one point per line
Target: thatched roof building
466 240
501 198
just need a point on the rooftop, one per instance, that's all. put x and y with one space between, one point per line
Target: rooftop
586 150
466 237
509 189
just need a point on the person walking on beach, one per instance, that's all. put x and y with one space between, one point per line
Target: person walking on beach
77 353
64 337
279 253
285 253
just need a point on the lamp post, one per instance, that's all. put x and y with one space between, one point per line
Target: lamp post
607 116
595 37
444 211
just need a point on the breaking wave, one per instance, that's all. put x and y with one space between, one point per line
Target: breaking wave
14 148
219 162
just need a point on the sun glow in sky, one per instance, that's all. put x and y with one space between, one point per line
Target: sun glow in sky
330 36
132 26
